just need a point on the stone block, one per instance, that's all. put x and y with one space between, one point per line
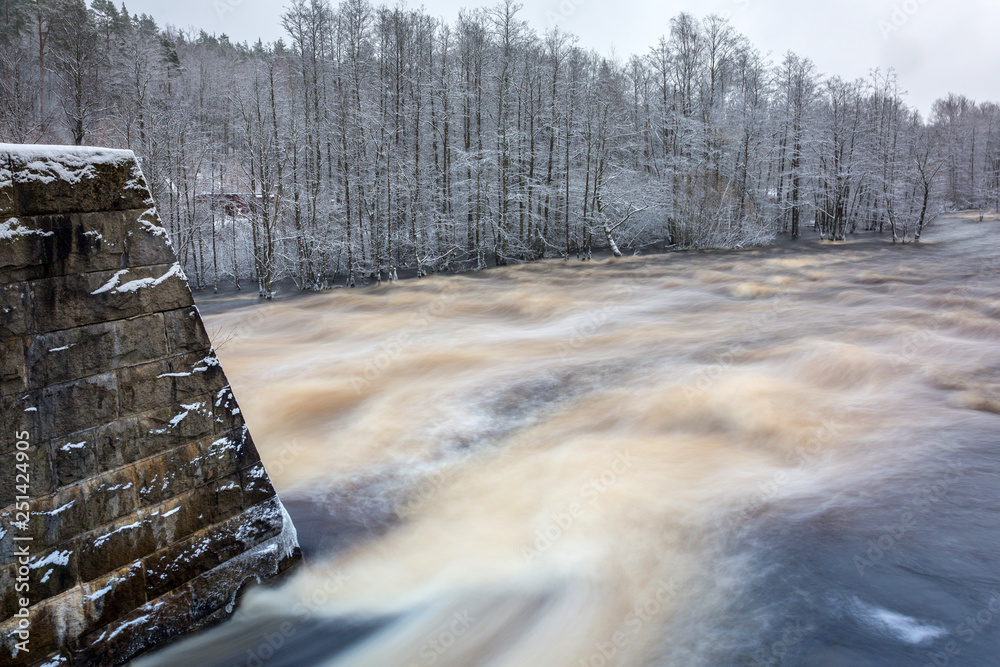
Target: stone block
206 374
218 588
257 487
85 242
142 436
81 180
7 204
169 475
19 417
71 354
52 573
10 422
228 415
59 517
75 406
75 458
7 544
38 474
224 498
169 568
185 332
9 595
117 545
54 623
114 596
78 509
76 300
147 243
22 244
181 470
151 625
15 310
13 371
49 246
99 348
182 516
112 495
225 454
150 386
177 380
246 450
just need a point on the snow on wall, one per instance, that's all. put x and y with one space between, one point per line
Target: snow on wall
71 164
12 229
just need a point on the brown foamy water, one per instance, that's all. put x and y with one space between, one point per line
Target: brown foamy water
565 464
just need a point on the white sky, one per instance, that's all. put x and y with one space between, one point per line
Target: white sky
939 46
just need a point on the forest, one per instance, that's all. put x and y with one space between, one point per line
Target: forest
377 140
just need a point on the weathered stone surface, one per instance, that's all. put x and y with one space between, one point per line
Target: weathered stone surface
9 597
212 620
224 498
150 386
22 243
51 246
51 628
74 458
15 310
149 507
228 414
76 510
206 374
75 406
257 487
7 556
67 180
169 381
147 435
148 626
182 516
19 417
13 371
81 242
39 474
98 348
146 242
53 572
56 245
77 300
207 550
173 473
185 332
7 207
117 545
113 596
246 450
218 589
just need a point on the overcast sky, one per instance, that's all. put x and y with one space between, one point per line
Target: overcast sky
936 46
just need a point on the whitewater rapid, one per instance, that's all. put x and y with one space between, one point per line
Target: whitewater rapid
777 456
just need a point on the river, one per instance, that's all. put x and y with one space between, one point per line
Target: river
780 456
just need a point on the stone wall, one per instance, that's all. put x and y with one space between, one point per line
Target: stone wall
149 507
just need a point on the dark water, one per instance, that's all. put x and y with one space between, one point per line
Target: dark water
787 456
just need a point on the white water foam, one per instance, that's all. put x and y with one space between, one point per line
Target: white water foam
904 628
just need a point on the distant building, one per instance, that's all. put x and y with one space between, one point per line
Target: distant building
229 204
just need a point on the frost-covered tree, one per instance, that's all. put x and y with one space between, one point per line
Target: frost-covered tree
378 140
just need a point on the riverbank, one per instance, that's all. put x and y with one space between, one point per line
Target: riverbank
227 298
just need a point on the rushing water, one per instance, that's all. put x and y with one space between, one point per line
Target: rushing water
779 456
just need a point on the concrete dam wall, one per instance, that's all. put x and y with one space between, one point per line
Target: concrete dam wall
134 507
